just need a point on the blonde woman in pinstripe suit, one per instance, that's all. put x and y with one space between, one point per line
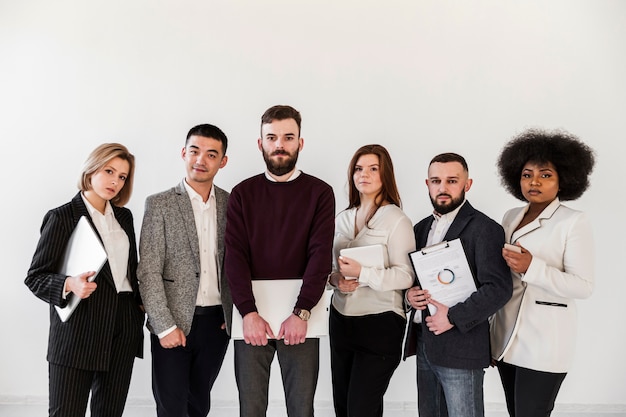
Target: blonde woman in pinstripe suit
94 350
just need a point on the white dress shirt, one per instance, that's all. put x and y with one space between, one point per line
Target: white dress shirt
205 216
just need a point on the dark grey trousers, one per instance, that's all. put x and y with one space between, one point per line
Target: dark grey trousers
299 367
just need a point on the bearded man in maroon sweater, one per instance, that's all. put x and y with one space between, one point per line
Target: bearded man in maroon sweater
280 225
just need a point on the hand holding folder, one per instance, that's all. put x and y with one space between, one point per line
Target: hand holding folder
372 256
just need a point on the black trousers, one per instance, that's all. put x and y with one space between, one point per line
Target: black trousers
182 377
529 393
69 388
364 353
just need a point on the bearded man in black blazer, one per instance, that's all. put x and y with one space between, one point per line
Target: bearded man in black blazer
452 346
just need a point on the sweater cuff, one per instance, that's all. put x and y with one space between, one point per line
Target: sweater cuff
247 307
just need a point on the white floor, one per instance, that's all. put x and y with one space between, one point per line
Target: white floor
39 410
143 411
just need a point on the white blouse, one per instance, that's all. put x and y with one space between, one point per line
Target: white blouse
381 289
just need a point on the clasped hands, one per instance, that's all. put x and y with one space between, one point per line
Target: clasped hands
256 331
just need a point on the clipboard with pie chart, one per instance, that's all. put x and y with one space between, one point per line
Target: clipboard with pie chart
442 269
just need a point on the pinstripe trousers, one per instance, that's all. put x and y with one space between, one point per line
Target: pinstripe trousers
69 387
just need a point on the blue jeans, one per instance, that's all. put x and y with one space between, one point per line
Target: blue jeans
443 392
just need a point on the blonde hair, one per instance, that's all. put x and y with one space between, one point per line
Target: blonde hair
101 156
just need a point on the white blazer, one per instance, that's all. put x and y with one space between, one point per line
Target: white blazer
536 329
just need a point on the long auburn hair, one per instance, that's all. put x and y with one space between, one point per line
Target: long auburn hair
389 190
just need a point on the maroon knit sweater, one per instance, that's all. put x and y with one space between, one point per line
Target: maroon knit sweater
279 230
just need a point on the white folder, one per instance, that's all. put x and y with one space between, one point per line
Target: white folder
374 256
370 256
275 300
84 253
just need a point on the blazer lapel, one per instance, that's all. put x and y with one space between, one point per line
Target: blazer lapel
461 220
189 222
79 209
221 204
421 235
124 218
512 235
125 223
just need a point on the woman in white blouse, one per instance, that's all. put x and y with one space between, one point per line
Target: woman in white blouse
551 262
367 318
93 351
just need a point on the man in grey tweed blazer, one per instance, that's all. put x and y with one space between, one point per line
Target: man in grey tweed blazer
181 279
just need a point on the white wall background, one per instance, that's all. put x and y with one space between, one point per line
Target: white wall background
419 77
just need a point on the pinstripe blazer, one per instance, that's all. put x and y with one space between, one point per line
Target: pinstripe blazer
169 269
82 341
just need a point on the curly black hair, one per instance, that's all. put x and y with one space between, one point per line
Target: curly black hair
572 159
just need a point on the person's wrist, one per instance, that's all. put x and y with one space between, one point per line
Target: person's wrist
450 319
66 287
301 313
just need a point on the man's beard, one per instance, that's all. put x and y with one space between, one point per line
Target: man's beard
280 168
451 206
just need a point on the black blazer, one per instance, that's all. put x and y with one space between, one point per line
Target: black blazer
466 345
83 341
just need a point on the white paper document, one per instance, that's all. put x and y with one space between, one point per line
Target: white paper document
275 300
442 269
84 253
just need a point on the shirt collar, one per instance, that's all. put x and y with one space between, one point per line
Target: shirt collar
193 194
108 210
448 217
549 210
296 174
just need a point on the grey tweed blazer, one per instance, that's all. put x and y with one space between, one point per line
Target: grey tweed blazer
169 266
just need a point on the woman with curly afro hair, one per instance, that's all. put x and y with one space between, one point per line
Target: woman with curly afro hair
552 264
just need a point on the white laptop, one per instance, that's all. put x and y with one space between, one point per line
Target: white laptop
84 252
275 300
